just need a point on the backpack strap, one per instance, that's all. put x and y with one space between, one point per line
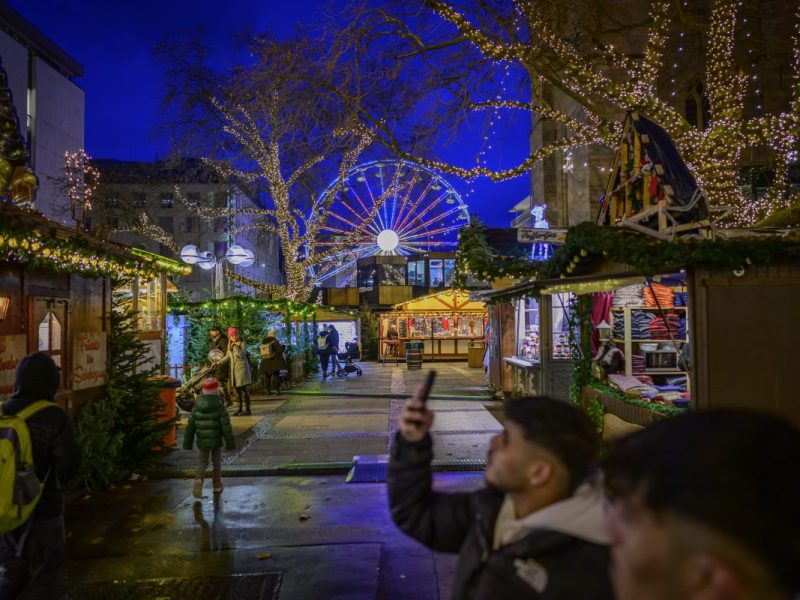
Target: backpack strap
33 408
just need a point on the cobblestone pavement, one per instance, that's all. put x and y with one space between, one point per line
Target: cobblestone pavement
151 539
325 422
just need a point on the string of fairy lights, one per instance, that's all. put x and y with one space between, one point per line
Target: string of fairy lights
712 154
82 182
74 254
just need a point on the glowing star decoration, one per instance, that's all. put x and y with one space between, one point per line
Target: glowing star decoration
540 251
387 241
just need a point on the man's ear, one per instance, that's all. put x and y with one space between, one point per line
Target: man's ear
710 578
540 471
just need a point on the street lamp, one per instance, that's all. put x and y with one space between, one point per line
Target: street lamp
236 255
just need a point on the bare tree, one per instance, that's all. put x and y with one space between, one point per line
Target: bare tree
268 127
565 46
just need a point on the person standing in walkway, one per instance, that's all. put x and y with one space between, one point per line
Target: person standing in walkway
706 505
322 350
219 341
210 425
272 361
333 348
240 374
536 530
30 556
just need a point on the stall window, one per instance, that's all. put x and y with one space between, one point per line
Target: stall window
561 308
527 319
437 273
150 305
366 276
393 275
50 337
416 272
449 271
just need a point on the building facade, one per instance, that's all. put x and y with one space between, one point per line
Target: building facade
48 102
130 188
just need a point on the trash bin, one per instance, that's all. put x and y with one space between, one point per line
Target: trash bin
169 387
475 355
414 355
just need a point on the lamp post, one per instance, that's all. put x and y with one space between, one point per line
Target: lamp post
236 255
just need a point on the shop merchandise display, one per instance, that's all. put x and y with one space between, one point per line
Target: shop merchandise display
658 332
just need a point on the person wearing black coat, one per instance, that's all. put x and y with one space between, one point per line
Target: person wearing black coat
333 348
536 530
219 341
30 556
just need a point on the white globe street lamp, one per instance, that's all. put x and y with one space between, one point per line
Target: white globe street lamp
236 255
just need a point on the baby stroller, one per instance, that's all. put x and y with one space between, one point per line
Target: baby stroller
185 395
346 365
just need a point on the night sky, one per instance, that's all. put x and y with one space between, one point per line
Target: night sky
114 42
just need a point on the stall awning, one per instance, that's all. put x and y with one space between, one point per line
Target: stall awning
587 285
448 301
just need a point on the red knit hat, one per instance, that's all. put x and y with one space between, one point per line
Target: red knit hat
231 331
210 386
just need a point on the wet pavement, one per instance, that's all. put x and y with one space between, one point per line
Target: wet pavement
303 535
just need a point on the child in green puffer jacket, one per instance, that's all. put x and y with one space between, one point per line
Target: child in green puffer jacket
211 424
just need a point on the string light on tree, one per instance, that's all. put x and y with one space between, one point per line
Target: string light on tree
82 182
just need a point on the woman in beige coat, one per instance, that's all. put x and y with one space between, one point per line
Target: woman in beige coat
241 378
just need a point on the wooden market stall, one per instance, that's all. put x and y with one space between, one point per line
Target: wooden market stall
55 297
446 323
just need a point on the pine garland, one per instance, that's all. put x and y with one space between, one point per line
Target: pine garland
648 255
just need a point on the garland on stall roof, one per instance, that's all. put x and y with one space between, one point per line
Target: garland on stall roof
74 254
283 306
475 258
646 254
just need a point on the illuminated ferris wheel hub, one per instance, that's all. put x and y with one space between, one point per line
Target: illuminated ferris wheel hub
386 207
387 240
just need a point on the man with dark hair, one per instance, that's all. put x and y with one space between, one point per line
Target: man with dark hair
536 530
219 341
707 506
31 555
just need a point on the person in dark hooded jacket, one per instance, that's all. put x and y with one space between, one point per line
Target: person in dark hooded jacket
536 531
30 556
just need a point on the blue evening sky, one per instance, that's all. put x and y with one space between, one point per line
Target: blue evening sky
114 41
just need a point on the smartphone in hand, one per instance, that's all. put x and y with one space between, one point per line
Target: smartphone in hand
426 387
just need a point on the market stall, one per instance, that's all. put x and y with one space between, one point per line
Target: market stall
55 297
446 323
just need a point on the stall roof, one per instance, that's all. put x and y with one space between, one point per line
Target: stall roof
445 301
30 237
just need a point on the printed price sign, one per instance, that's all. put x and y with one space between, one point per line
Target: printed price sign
89 360
12 349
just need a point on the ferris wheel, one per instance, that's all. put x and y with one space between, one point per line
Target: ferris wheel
417 211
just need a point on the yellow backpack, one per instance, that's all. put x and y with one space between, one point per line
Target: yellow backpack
20 489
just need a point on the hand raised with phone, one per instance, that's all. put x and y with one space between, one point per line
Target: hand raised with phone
416 419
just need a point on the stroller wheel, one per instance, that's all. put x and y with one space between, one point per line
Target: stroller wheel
340 372
359 372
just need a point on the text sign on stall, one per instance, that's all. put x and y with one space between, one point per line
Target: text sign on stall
89 360
541 236
12 349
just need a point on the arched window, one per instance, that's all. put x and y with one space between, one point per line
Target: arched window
50 337
697 108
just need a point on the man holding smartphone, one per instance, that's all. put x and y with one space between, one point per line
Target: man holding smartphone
536 530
